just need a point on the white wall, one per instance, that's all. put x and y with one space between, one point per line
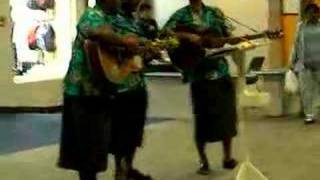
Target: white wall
38 94
241 9
59 18
164 9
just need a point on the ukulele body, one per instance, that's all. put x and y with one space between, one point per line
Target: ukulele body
109 63
188 56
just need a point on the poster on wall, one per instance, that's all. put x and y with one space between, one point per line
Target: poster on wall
290 6
40 51
32 37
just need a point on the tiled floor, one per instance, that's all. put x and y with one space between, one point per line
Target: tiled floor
168 154
280 148
19 132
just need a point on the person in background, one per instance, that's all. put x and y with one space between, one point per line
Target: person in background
85 136
305 60
147 22
13 44
212 90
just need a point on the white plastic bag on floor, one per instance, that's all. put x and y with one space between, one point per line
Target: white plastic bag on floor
291 85
248 172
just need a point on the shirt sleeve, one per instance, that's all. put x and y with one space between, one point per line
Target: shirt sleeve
225 25
89 21
173 20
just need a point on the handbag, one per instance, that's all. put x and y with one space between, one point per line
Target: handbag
46 37
291 82
32 39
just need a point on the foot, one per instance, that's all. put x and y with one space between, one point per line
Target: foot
230 164
309 121
204 169
134 174
19 73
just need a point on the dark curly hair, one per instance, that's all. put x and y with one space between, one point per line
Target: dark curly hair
310 7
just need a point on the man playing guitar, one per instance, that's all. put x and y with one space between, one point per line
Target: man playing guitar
86 115
129 105
213 93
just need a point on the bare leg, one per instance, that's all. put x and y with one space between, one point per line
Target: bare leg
202 154
204 163
121 170
228 161
132 172
129 159
227 149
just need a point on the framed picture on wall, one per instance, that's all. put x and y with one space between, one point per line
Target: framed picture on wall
290 6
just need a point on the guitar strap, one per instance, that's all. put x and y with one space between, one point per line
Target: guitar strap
242 24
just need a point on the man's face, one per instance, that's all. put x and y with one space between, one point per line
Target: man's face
146 14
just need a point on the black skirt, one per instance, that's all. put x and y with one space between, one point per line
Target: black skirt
214 108
85 134
128 116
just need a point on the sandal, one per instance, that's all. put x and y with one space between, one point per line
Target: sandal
203 169
230 164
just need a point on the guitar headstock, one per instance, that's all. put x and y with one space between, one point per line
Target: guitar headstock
274 34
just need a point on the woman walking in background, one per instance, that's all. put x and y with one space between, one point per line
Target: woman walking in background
305 60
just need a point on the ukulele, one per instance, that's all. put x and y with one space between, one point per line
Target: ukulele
116 63
188 55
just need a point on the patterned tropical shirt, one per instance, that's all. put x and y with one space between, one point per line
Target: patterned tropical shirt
79 79
212 18
125 26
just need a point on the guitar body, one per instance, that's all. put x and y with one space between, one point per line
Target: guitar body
104 63
187 56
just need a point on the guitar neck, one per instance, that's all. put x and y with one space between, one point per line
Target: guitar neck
236 40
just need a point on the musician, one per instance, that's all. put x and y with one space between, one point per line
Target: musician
148 23
212 90
305 59
129 106
86 113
